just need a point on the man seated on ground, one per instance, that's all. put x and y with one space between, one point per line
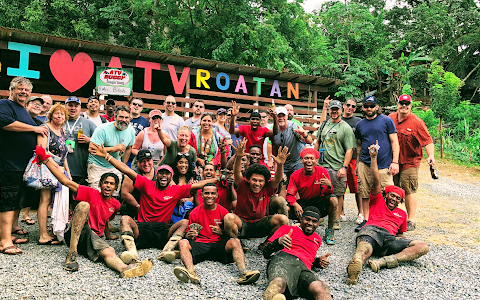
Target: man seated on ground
207 244
130 194
225 188
90 221
289 271
312 183
157 201
254 197
378 235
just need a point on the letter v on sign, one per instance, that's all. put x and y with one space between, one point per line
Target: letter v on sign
178 85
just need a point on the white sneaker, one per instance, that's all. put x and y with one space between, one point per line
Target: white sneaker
343 218
359 219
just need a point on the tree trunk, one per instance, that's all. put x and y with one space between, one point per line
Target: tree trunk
441 137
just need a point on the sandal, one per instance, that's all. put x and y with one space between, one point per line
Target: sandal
50 242
29 221
17 241
15 252
20 231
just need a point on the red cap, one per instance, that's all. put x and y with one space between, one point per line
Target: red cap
405 98
306 151
165 167
396 190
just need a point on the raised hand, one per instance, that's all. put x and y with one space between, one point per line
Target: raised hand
97 150
235 109
286 240
373 149
282 155
301 132
325 181
222 145
240 149
272 113
327 101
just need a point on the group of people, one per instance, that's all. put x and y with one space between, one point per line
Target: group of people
203 184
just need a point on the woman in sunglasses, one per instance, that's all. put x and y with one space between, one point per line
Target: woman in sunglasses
148 138
206 141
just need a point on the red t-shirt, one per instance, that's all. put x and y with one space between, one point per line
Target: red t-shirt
394 221
303 246
108 118
307 186
412 136
222 195
101 209
157 205
256 137
206 218
252 207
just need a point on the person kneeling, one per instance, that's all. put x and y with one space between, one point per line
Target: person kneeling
204 241
378 235
289 271
90 221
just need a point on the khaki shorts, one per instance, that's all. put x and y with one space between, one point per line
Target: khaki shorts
365 179
408 180
339 184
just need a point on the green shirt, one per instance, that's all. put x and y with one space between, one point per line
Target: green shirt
296 122
172 152
339 138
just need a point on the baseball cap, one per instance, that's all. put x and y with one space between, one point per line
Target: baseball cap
255 115
370 99
72 99
405 98
110 102
335 104
165 167
144 154
281 110
221 111
155 112
33 98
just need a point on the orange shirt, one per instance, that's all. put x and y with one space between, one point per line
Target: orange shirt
412 136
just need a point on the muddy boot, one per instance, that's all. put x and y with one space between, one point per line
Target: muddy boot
386 261
354 269
130 256
71 263
168 255
185 275
279 297
248 277
137 270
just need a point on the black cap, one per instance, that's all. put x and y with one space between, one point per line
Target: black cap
255 115
142 154
110 101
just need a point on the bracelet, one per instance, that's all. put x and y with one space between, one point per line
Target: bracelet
325 108
345 167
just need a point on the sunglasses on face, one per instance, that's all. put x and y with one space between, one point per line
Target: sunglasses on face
351 105
201 106
264 117
402 103
137 104
369 106
169 102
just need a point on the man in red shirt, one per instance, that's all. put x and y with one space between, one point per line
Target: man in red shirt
254 133
385 222
110 110
206 243
90 221
225 188
253 198
312 183
157 201
412 136
289 271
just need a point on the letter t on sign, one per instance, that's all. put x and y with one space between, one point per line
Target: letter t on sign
148 66
25 50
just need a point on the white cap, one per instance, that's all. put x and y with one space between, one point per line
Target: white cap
281 110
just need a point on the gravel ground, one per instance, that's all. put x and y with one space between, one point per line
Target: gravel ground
446 272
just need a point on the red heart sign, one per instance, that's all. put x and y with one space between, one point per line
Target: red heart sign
72 75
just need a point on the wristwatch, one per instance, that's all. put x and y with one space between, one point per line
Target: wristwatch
345 167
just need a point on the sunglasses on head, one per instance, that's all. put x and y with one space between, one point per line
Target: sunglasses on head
170 102
350 105
183 154
406 103
156 117
137 104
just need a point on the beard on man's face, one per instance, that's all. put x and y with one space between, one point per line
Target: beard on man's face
121 125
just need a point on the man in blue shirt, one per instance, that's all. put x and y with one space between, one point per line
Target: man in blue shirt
375 128
137 121
18 133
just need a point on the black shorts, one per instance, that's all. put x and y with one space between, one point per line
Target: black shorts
383 243
210 251
13 191
152 235
257 229
89 244
293 271
322 203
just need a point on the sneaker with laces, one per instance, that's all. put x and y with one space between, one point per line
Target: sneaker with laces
248 277
329 237
359 219
184 275
343 218
71 263
360 226
337 225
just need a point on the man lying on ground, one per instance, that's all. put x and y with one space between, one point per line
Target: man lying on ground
157 201
378 235
206 243
90 221
289 270
312 183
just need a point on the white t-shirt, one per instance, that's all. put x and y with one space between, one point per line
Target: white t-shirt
97 120
171 124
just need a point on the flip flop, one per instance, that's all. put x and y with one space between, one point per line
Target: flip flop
15 240
50 243
18 251
20 231
29 221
